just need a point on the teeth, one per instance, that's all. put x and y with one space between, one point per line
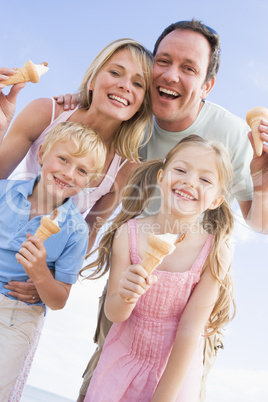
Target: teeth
168 91
121 100
184 194
61 183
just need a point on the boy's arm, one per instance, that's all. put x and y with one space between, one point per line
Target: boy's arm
191 326
126 282
32 256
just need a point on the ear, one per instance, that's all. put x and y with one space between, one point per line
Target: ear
40 155
215 204
160 175
91 85
207 88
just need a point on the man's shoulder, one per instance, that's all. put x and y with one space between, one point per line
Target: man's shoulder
214 111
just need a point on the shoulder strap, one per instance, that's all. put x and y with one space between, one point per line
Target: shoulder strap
200 260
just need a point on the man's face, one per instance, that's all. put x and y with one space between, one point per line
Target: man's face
179 72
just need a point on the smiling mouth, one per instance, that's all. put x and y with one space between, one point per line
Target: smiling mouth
185 195
61 183
167 93
118 99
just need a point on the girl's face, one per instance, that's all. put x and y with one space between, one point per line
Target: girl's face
64 175
190 182
119 87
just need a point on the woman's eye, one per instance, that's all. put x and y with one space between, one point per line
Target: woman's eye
114 72
138 84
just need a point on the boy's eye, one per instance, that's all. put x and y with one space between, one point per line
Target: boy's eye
82 171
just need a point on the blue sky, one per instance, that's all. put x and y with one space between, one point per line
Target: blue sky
68 34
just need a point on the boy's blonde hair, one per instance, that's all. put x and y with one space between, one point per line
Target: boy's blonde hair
130 134
85 141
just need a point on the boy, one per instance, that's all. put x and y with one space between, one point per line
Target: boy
70 157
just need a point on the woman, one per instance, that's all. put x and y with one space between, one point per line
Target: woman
114 100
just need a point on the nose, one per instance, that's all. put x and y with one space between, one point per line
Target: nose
190 180
125 84
68 172
171 74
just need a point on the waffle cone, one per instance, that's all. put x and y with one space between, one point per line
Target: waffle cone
157 249
253 118
46 229
24 74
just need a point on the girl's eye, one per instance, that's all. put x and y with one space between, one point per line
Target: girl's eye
205 180
180 170
62 158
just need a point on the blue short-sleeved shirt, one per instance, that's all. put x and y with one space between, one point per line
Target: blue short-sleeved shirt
65 250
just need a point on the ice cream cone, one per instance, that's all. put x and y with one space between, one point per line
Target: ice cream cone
48 227
253 118
158 247
29 72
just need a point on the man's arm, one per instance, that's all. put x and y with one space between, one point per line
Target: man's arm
255 212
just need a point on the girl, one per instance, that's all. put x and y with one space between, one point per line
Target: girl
153 351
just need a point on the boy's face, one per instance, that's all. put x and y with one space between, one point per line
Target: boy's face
64 175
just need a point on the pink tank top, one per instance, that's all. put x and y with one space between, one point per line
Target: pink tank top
89 196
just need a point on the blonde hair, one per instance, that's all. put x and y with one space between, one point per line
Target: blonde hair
130 134
219 222
84 139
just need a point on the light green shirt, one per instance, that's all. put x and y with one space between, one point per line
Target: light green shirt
218 124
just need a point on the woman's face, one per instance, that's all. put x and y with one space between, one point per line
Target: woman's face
119 87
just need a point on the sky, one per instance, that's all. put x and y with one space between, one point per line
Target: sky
67 35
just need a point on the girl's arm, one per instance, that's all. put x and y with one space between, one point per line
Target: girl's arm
107 204
191 326
25 129
126 282
32 256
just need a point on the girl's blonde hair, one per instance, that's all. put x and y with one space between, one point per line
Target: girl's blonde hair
85 141
219 222
130 134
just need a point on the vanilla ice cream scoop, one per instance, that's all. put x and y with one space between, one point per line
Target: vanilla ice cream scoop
29 72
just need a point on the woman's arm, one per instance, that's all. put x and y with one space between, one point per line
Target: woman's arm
32 256
126 282
191 326
107 204
25 129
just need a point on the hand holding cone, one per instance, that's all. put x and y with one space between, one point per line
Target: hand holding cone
48 227
158 247
253 118
29 72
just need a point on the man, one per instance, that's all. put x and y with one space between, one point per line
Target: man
185 67
186 61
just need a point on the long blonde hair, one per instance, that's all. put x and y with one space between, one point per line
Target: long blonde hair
131 133
219 222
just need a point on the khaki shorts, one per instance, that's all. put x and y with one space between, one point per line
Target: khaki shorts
18 323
